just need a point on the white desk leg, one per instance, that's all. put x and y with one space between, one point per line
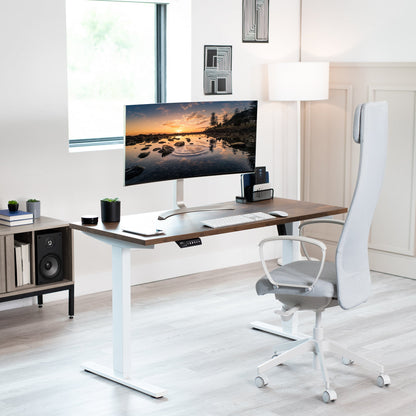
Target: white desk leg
289 327
121 312
121 329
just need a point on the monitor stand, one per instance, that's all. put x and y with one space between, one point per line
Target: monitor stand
183 209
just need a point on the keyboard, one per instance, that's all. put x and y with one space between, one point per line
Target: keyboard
237 219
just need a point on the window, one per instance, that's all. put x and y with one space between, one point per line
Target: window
115 57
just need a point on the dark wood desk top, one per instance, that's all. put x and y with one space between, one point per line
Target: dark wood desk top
185 226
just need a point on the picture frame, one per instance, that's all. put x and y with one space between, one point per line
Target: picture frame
255 21
217 69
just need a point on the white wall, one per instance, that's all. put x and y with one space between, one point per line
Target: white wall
212 24
373 43
216 22
359 30
34 156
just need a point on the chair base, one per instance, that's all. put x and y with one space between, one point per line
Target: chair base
284 331
319 346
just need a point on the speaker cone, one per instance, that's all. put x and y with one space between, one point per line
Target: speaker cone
50 266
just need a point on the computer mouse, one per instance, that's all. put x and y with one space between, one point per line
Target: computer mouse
279 213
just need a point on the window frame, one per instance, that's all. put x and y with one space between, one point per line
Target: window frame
160 87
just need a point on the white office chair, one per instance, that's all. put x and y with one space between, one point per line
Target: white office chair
317 285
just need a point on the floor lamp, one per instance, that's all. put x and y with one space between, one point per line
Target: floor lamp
298 81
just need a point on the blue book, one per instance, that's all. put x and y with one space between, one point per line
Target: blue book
6 215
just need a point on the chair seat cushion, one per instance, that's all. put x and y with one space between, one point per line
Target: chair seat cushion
302 273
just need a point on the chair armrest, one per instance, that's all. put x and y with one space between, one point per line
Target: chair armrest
318 221
302 239
322 220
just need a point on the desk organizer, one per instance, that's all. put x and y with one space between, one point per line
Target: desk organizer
254 196
263 194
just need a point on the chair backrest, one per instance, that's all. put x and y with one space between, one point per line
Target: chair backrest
353 272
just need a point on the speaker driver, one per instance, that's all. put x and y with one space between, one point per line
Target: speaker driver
49 242
50 266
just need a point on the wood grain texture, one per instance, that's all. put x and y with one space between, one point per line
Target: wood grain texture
190 335
10 264
42 223
184 226
2 266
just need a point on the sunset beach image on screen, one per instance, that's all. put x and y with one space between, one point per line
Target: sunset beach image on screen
183 140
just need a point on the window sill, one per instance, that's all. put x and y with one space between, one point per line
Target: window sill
92 145
95 148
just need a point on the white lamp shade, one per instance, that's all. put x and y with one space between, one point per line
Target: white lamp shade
298 81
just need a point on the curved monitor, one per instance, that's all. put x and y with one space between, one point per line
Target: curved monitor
186 140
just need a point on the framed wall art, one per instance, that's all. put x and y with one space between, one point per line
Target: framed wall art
217 69
255 20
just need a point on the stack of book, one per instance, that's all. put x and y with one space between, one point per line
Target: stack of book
12 219
22 262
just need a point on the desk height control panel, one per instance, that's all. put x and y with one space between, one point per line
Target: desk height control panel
189 243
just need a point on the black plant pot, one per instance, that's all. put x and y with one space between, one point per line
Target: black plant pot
13 207
110 211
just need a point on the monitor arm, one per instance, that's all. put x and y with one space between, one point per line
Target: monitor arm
183 209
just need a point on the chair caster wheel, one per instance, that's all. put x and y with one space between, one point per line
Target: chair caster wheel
329 396
261 381
383 380
347 361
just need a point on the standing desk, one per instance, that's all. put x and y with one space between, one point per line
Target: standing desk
178 227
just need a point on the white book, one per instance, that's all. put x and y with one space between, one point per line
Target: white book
16 223
26 263
18 263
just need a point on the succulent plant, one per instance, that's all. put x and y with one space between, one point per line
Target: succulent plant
110 199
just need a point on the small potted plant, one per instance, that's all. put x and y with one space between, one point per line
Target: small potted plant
110 210
13 205
33 206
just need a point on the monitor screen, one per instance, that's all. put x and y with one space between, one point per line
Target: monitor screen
186 140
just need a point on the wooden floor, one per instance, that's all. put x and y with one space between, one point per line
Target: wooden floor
190 336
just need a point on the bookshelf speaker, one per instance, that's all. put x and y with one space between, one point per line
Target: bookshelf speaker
49 258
